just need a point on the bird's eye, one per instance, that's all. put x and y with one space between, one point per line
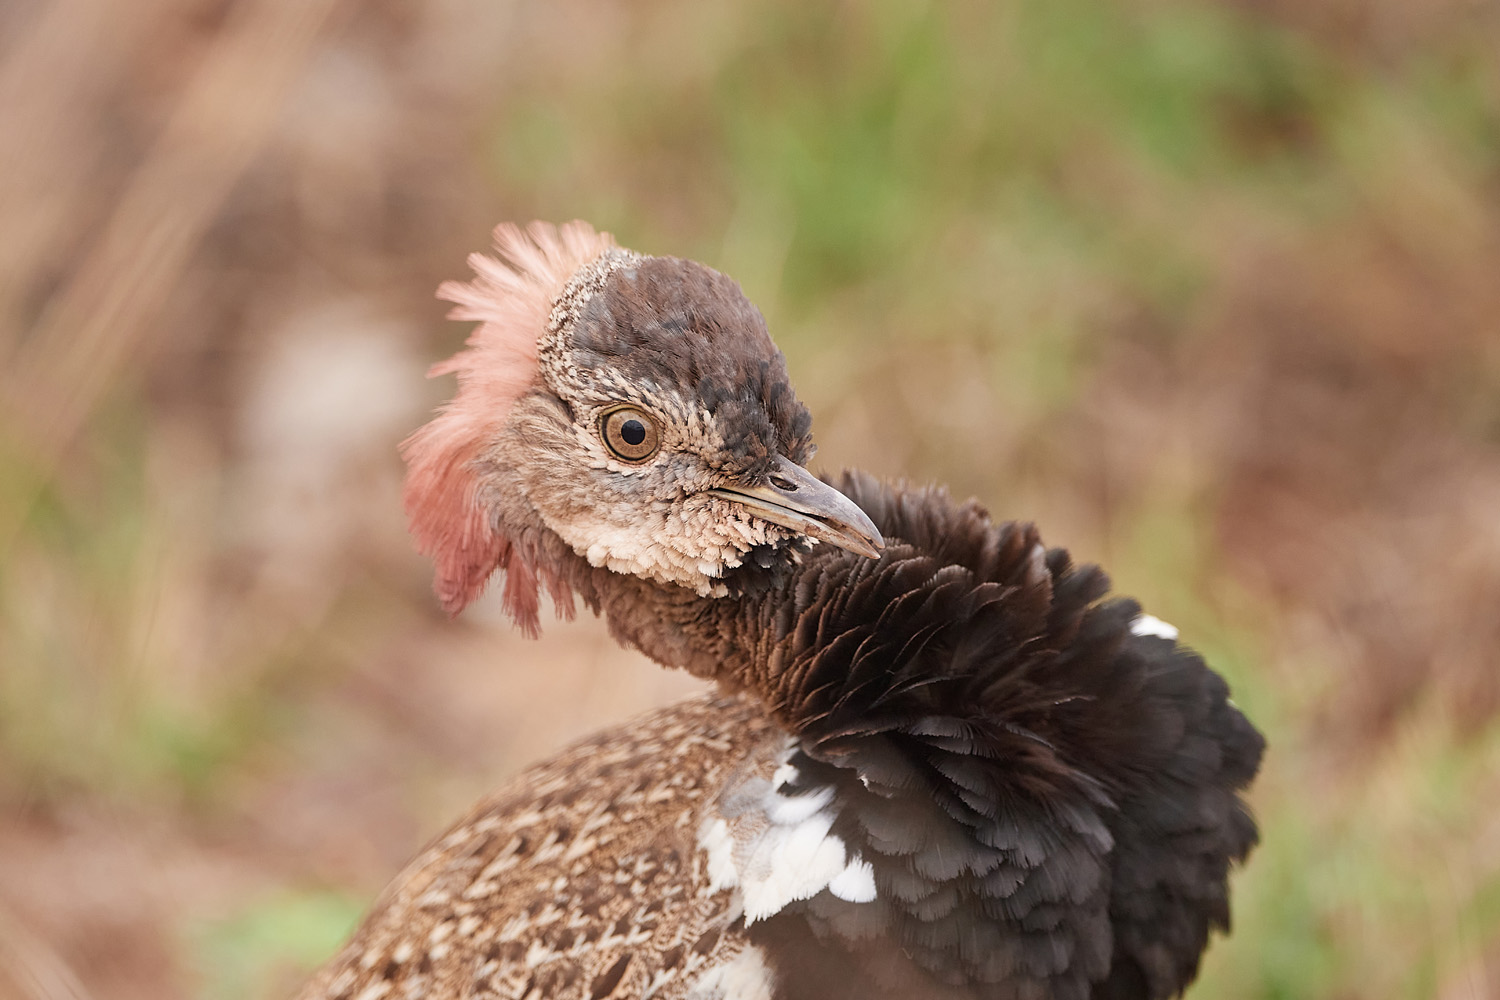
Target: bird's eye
630 433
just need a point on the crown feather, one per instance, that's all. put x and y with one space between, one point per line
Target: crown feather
511 298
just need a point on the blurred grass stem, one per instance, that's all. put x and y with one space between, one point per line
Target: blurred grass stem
104 318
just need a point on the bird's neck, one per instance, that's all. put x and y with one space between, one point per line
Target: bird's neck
825 634
729 639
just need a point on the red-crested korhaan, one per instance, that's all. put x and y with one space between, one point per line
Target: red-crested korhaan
939 761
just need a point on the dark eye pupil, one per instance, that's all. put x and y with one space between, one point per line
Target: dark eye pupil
633 432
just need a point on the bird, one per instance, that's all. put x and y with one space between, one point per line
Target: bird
938 759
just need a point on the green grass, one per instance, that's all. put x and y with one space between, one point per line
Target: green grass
266 947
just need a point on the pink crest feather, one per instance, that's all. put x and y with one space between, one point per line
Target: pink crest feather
511 298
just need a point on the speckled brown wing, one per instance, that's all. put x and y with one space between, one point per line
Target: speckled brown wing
582 878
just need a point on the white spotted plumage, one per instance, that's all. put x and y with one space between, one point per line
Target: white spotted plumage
775 848
745 977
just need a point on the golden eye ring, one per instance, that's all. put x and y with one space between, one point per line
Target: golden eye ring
630 433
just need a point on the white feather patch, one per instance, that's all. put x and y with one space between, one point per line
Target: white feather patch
1152 625
745 977
776 848
855 884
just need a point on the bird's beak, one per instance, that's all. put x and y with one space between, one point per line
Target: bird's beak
795 498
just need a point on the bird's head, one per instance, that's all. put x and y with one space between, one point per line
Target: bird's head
633 407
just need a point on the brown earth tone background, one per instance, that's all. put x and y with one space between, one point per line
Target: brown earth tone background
1210 290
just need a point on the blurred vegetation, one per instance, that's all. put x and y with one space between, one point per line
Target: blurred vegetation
1207 289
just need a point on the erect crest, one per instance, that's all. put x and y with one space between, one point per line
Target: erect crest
511 298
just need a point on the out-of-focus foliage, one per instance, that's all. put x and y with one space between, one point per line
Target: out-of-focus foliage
1207 289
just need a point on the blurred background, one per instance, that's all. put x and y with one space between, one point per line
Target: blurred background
1211 290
